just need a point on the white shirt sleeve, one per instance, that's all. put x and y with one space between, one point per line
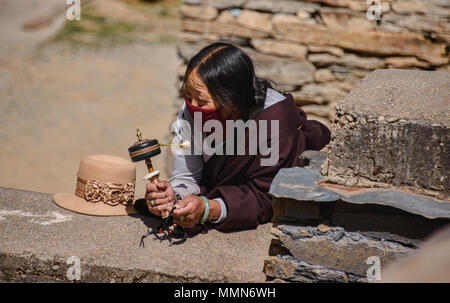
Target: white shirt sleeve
187 167
223 211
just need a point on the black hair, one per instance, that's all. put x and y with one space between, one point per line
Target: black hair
229 75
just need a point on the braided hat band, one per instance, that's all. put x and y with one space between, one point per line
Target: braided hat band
110 193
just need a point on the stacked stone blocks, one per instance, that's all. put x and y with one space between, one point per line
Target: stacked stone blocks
320 49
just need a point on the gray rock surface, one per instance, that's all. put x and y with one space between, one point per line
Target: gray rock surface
334 250
402 94
280 6
220 4
304 184
37 237
392 129
291 269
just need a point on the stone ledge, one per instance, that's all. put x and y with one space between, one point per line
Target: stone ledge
325 232
392 130
305 184
388 96
37 237
309 254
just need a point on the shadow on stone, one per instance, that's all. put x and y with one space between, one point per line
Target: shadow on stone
150 220
153 221
384 222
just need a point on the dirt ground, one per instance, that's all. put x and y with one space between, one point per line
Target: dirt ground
64 96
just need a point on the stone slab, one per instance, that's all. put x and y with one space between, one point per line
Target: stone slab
383 222
200 12
304 184
368 42
301 184
36 234
336 248
402 94
392 130
280 6
219 4
219 28
285 210
291 269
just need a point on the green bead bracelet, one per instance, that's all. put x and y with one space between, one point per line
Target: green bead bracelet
206 213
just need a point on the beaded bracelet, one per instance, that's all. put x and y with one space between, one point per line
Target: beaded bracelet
206 213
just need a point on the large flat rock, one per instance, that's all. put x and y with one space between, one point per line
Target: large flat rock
37 237
303 184
402 94
363 41
393 130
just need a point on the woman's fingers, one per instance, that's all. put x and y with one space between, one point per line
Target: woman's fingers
158 202
188 211
165 187
185 206
160 198
183 210
160 190
164 201
185 213
156 195
152 209
154 192
187 222
160 208
151 187
162 185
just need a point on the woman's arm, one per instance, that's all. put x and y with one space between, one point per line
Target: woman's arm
187 167
249 204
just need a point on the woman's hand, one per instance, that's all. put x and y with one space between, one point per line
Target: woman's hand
163 196
190 210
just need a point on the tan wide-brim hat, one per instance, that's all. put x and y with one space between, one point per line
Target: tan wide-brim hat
105 187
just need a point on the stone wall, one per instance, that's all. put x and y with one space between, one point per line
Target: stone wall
319 49
321 234
379 190
340 249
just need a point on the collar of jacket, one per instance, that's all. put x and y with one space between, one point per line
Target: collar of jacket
290 117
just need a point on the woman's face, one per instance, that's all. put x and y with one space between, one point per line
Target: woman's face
197 92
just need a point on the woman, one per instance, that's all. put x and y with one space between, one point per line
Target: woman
230 191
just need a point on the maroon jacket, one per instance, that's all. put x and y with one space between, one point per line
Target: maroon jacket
243 183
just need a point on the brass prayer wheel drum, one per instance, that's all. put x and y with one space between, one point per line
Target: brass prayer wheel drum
144 149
